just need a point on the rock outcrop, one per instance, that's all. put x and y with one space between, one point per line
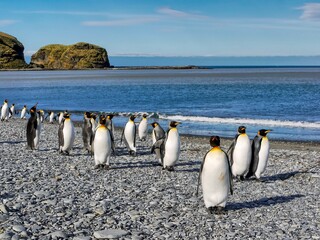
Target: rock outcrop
77 56
11 52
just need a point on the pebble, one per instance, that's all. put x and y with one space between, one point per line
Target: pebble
18 228
59 234
109 233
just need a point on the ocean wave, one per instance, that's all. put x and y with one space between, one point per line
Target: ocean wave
243 121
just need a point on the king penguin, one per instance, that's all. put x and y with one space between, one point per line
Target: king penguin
129 136
158 139
216 177
12 111
87 131
143 128
41 114
240 153
110 126
157 132
5 110
102 144
51 117
66 134
32 127
24 112
171 147
260 154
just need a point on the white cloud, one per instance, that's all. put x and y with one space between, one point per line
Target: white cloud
179 14
121 22
79 13
7 22
311 11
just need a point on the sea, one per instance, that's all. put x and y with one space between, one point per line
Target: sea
207 100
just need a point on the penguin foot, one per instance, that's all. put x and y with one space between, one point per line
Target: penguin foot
132 153
106 167
211 210
241 178
220 210
170 169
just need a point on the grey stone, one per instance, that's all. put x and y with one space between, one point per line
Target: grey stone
59 234
4 208
18 228
110 233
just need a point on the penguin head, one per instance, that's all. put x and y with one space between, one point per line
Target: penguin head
154 124
6 101
242 129
87 114
25 106
94 116
12 104
264 132
33 110
144 115
174 124
132 117
66 115
215 141
102 119
110 116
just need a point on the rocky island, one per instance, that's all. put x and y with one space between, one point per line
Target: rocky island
11 52
77 56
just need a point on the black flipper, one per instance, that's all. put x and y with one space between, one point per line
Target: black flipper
231 149
255 147
60 134
230 174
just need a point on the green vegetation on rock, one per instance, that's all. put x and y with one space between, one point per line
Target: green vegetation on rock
77 56
11 52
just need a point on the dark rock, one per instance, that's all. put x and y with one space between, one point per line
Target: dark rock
77 56
11 52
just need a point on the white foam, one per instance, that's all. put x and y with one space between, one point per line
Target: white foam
243 121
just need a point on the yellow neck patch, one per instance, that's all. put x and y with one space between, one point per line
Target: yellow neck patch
217 148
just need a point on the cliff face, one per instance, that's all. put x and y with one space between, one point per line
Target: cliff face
77 56
11 52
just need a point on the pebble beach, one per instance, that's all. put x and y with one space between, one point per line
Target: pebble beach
46 195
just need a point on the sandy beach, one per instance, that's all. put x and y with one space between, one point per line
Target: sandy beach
46 195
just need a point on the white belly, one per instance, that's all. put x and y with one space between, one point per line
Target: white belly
12 110
23 113
263 157
36 140
4 111
68 135
172 148
153 137
215 179
60 117
241 156
143 129
129 134
102 146
51 118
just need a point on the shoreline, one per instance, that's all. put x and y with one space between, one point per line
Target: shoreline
46 195
178 67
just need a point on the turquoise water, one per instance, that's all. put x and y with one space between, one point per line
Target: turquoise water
206 101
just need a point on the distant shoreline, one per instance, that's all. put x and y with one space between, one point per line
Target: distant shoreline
187 67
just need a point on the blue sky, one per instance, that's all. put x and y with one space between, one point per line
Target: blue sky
169 28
